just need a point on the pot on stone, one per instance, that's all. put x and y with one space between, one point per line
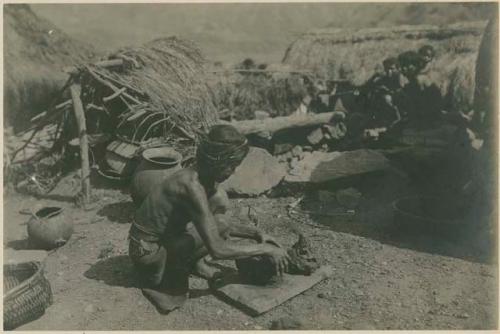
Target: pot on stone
156 164
48 228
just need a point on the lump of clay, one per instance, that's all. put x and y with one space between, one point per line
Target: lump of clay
260 270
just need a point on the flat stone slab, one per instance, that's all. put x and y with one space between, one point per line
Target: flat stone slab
256 300
317 167
258 173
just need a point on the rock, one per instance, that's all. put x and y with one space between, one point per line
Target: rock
317 167
294 162
348 198
315 137
281 158
258 173
282 148
337 131
324 295
286 323
297 151
307 148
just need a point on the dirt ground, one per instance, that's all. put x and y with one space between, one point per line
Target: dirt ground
382 279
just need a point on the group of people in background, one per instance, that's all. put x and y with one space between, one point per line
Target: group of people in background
403 93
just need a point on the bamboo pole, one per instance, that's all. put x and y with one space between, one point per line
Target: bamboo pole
84 144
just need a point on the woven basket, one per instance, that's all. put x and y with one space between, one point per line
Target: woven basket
27 293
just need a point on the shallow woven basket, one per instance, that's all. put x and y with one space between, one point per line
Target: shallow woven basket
27 293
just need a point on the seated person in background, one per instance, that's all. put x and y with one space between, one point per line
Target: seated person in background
421 100
175 227
427 54
383 91
320 100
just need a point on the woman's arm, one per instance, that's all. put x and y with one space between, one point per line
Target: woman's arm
243 231
206 226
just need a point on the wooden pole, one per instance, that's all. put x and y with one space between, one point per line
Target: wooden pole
72 70
261 71
281 123
84 144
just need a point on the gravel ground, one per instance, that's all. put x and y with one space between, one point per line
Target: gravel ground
381 280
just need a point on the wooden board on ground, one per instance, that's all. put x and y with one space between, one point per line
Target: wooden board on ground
256 300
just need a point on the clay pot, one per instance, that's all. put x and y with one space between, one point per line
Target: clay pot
156 165
48 228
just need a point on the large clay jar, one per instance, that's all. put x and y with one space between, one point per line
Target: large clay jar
156 165
48 228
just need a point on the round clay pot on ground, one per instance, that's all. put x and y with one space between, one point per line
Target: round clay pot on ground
156 164
48 228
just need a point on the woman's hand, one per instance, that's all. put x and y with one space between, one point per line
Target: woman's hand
280 259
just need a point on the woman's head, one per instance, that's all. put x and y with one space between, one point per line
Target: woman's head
427 53
221 151
410 63
391 66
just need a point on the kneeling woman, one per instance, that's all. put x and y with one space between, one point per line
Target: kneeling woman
175 226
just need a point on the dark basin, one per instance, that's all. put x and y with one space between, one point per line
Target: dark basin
428 214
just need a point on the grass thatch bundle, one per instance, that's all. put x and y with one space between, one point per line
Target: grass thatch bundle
167 76
276 90
357 54
35 52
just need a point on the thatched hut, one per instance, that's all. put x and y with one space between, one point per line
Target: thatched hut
35 51
155 94
329 52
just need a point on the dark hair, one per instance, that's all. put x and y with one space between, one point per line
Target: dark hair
390 61
225 133
409 58
221 146
248 63
427 50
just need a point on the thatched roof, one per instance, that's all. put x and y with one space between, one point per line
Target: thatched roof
357 54
327 50
168 75
35 51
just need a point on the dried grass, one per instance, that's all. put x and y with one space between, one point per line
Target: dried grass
358 54
170 74
277 92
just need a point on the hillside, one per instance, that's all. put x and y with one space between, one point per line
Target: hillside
231 32
35 53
